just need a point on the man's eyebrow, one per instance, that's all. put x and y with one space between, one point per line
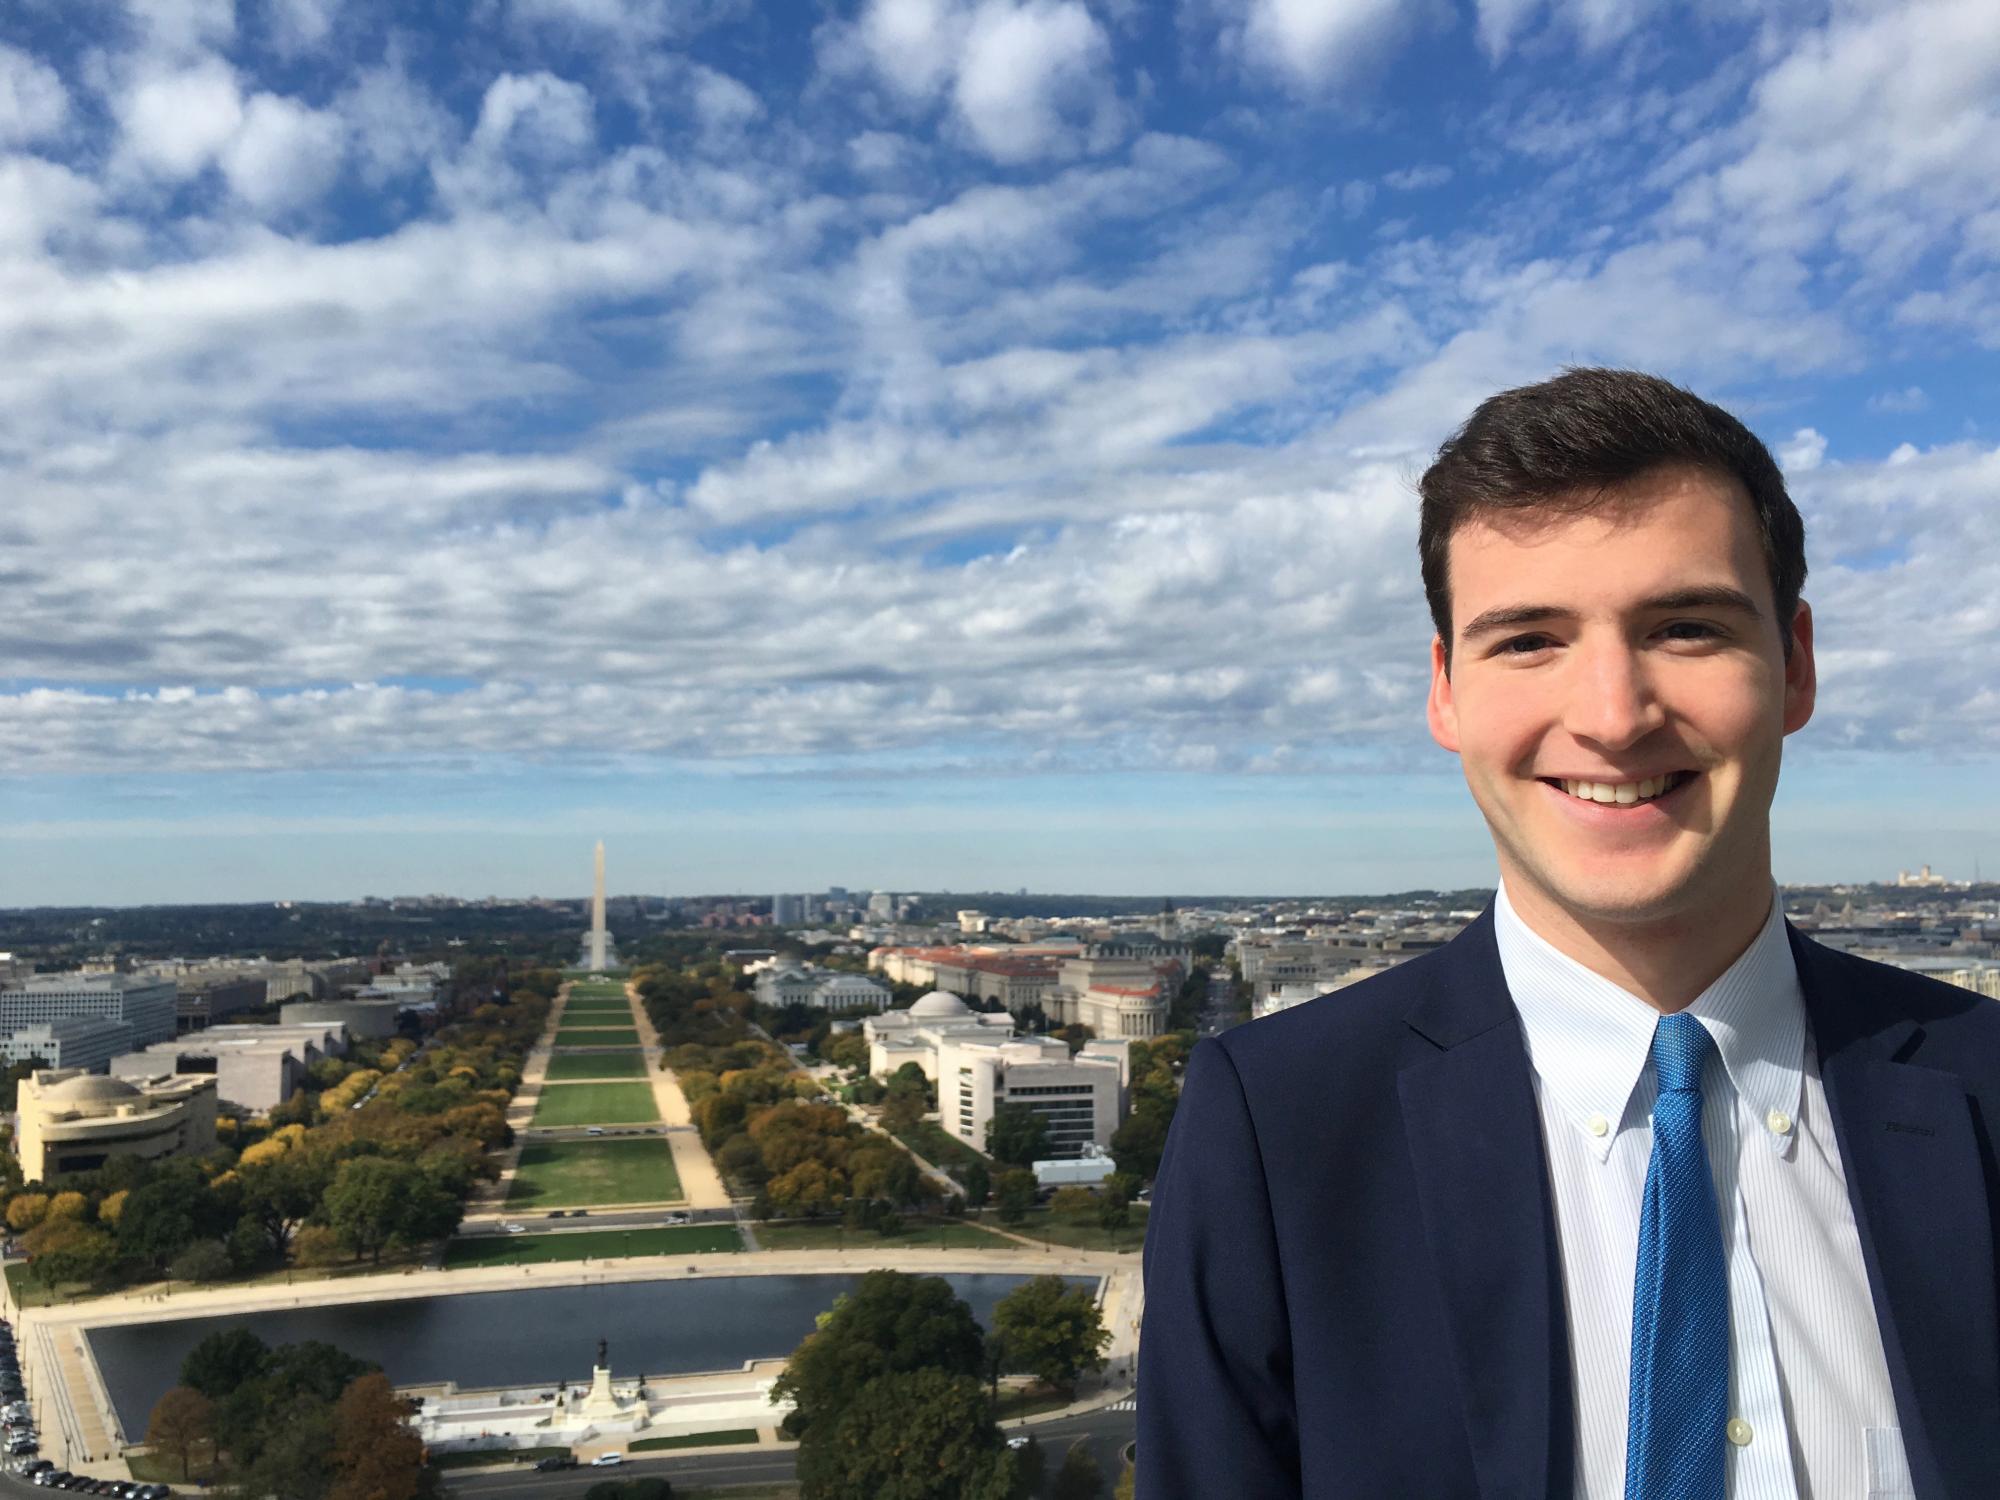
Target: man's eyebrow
1695 596
1512 617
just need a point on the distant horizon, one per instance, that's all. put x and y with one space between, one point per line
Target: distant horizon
1192 898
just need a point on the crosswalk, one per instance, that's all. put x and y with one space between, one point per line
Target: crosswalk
1128 1404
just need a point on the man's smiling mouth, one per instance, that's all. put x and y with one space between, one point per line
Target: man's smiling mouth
1621 793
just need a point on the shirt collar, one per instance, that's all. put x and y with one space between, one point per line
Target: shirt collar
1588 1038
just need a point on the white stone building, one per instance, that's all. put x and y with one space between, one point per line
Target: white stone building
823 989
256 1068
918 1033
1081 1098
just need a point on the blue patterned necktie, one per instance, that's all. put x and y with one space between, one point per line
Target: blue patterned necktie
1680 1293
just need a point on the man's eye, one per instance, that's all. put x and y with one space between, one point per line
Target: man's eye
1691 630
1523 645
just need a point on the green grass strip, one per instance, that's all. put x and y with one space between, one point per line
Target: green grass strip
596 1104
590 1174
541 1249
566 1067
697 1439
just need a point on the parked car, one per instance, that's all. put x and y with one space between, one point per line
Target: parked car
556 1461
595 1130
557 1213
607 1460
677 1219
513 1228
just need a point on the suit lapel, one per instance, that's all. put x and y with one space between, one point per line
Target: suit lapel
1475 1142
1912 1156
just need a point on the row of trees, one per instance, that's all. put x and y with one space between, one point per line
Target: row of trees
306 1421
895 1391
770 1130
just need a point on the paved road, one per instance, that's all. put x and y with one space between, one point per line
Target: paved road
1107 1432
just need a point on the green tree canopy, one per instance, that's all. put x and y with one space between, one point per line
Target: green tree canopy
1136 1145
1015 1193
1051 1329
911 1435
1079 1478
222 1361
1016 1135
890 1323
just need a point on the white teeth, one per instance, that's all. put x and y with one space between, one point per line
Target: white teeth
1621 792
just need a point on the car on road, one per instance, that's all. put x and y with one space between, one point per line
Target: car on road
595 1130
513 1228
607 1460
557 1213
678 1219
556 1461
1019 1440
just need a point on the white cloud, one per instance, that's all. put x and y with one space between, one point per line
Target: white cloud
911 45
394 123
538 118
1026 80
1595 24
1881 125
1315 45
1909 399
284 154
298 26
33 101
1802 452
176 123
1415 179
1033 83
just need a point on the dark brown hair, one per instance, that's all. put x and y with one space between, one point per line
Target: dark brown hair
1560 445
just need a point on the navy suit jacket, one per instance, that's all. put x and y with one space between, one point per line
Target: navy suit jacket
1353 1282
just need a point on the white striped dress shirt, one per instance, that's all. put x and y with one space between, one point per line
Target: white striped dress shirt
1812 1416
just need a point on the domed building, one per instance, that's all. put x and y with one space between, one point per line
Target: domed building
917 1034
74 1121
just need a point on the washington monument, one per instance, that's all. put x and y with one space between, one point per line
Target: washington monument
597 947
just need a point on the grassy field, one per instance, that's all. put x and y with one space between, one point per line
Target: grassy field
696 1440
597 1036
596 1104
535 1249
165 1468
590 1174
927 1234
598 1002
1086 1236
566 1067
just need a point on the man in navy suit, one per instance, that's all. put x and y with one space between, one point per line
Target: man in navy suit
1393 1238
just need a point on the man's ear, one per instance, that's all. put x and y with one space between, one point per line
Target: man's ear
1801 675
1442 709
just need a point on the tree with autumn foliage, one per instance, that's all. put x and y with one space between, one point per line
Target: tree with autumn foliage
376 1455
182 1425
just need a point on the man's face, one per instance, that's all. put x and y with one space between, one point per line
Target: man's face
1618 695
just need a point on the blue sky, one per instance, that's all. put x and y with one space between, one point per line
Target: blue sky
948 443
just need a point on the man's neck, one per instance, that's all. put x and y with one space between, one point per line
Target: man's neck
1667 961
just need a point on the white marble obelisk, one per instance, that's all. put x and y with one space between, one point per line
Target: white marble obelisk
600 940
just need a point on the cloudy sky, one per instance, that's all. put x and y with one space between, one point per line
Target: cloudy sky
944 443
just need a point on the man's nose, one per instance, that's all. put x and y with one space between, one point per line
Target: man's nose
1611 702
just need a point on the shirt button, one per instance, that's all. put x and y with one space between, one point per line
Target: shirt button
1739 1432
1597 1125
1779 1121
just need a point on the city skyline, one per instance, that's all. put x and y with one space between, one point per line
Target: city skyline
957 443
